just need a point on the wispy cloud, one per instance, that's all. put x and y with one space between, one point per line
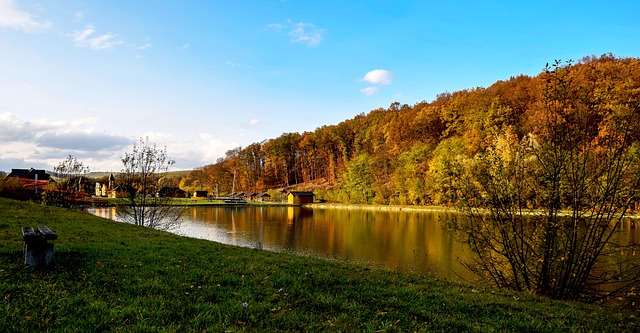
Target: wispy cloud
369 90
277 27
13 18
79 15
300 32
254 122
86 38
143 46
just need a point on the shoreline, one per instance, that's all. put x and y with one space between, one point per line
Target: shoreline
442 209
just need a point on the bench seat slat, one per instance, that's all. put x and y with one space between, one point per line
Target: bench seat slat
47 233
29 234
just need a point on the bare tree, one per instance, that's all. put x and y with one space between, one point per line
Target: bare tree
69 188
138 185
70 168
542 211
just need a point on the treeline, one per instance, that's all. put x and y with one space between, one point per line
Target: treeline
404 154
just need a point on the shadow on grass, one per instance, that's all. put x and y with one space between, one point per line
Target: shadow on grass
65 262
70 261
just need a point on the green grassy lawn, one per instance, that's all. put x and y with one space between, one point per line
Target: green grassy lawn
111 276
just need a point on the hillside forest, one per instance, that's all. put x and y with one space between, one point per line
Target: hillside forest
407 155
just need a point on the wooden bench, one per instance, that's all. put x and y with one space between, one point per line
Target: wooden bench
38 251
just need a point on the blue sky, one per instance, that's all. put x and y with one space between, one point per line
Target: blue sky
89 78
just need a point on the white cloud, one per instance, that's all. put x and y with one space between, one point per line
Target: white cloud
300 32
46 141
378 76
14 18
254 122
369 90
306 33
101 42
198 151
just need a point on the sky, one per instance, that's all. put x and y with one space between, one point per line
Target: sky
90 78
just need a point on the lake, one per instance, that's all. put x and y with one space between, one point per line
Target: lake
398 240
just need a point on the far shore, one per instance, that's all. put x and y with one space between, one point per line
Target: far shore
380 207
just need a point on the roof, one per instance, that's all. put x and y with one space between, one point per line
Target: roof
29 174
301 194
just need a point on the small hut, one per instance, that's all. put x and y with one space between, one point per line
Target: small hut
263 196
299 198
200 194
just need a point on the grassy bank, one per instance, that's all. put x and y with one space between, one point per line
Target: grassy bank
379 207
111 276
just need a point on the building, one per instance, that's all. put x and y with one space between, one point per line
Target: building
171 192
107 190
31 178
263 197
200 194
300 198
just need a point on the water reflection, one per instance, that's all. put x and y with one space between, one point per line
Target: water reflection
397 240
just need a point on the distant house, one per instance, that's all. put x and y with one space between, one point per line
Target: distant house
299 198
263 197
200 194
171 192
31 178
107 190
99 189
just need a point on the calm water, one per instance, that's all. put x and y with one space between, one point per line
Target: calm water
397 240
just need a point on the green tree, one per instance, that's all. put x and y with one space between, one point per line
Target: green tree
358 180
445 169
411 176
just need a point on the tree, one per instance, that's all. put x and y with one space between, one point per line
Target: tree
358 180
138 184
70 168
69 188
541 211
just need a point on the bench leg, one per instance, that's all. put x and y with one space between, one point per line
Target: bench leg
38 255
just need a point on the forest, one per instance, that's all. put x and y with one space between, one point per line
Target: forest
407 155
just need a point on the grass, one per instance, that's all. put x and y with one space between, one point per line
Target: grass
111 276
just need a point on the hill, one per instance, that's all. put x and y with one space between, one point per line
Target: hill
403 154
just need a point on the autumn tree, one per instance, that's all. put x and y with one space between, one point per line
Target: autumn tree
542 210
